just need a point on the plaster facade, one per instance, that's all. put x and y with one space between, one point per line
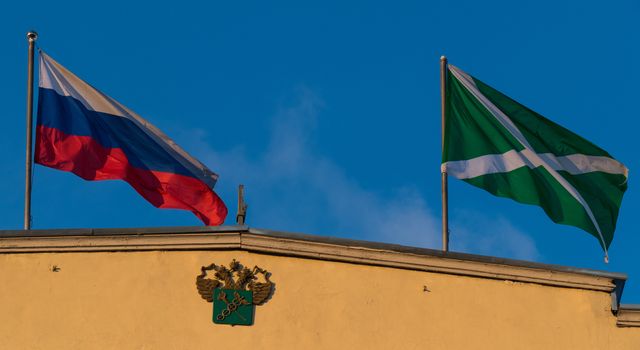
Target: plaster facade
146 298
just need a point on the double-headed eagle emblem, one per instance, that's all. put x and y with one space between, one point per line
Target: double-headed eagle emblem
248 287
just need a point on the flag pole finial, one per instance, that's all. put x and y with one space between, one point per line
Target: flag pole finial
32 35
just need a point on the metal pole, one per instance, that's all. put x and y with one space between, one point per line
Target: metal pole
445 191
31 38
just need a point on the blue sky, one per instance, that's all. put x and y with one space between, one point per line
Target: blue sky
329 111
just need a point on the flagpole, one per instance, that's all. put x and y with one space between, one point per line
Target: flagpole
31 38
445 190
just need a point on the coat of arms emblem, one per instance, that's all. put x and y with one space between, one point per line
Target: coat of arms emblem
234 291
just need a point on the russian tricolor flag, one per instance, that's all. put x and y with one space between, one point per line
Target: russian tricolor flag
86 132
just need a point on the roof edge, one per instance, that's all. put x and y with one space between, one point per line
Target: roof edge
62 232
439 253
306 246
628 315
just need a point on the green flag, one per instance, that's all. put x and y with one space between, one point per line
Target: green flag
501 146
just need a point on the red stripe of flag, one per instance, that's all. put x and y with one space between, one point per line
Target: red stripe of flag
84 157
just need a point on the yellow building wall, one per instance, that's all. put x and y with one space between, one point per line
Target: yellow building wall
148 300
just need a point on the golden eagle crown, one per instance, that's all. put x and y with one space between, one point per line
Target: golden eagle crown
236 277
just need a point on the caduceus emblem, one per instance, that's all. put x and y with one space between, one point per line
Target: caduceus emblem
234 291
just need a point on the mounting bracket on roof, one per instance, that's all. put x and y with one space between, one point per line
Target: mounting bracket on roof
242 206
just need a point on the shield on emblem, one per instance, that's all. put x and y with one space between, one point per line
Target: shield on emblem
234 307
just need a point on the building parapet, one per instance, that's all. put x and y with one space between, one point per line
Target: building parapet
324 248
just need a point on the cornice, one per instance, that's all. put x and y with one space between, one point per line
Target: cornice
629 316
304 246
